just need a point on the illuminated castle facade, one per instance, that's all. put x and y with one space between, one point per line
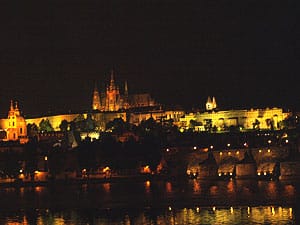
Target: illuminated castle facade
268 118
112 100
15 125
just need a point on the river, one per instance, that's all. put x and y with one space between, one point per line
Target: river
153 202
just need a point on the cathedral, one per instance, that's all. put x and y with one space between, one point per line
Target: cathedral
111 99
14 126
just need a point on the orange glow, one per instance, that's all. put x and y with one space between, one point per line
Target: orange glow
147 186
169 187
213 190
196 187
106 187
146 169
106 169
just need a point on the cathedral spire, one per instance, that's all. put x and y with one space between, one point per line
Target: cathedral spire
112 81
11 105
125 89
96 105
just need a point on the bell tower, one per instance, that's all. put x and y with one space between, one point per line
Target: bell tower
96 105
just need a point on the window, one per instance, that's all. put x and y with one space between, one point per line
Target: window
21 130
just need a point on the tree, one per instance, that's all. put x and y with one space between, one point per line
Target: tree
117 126
64 125
32 129
45 125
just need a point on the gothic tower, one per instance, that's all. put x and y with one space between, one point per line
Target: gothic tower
112 96
211 103
96 105
126 98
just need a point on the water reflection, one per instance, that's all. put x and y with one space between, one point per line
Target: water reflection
232 215
153 202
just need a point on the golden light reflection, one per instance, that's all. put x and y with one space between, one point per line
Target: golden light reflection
213 190
272 190
273 211
289 190
38 189
147 186
106 187
168 187
291 212
231 210
196 186
230 187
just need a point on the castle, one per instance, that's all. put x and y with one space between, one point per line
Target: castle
112 100
110 103
212 118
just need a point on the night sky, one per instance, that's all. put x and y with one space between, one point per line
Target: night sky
245 53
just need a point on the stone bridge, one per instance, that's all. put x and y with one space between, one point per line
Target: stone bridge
225 161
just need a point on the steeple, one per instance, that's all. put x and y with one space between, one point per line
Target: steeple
125 89
96 105
214 103
211 103
11 105
112 81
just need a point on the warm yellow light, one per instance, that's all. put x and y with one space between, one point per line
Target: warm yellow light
46 158
221 153
194 147
229 153
259 150
269 150
106 169
237 152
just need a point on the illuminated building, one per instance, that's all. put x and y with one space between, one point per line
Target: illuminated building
211 104
113 100
14 125
268 118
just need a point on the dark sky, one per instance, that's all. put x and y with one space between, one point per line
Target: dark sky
245 53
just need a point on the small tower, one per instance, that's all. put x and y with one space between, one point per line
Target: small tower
211 104
126 98
96 105
214 103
